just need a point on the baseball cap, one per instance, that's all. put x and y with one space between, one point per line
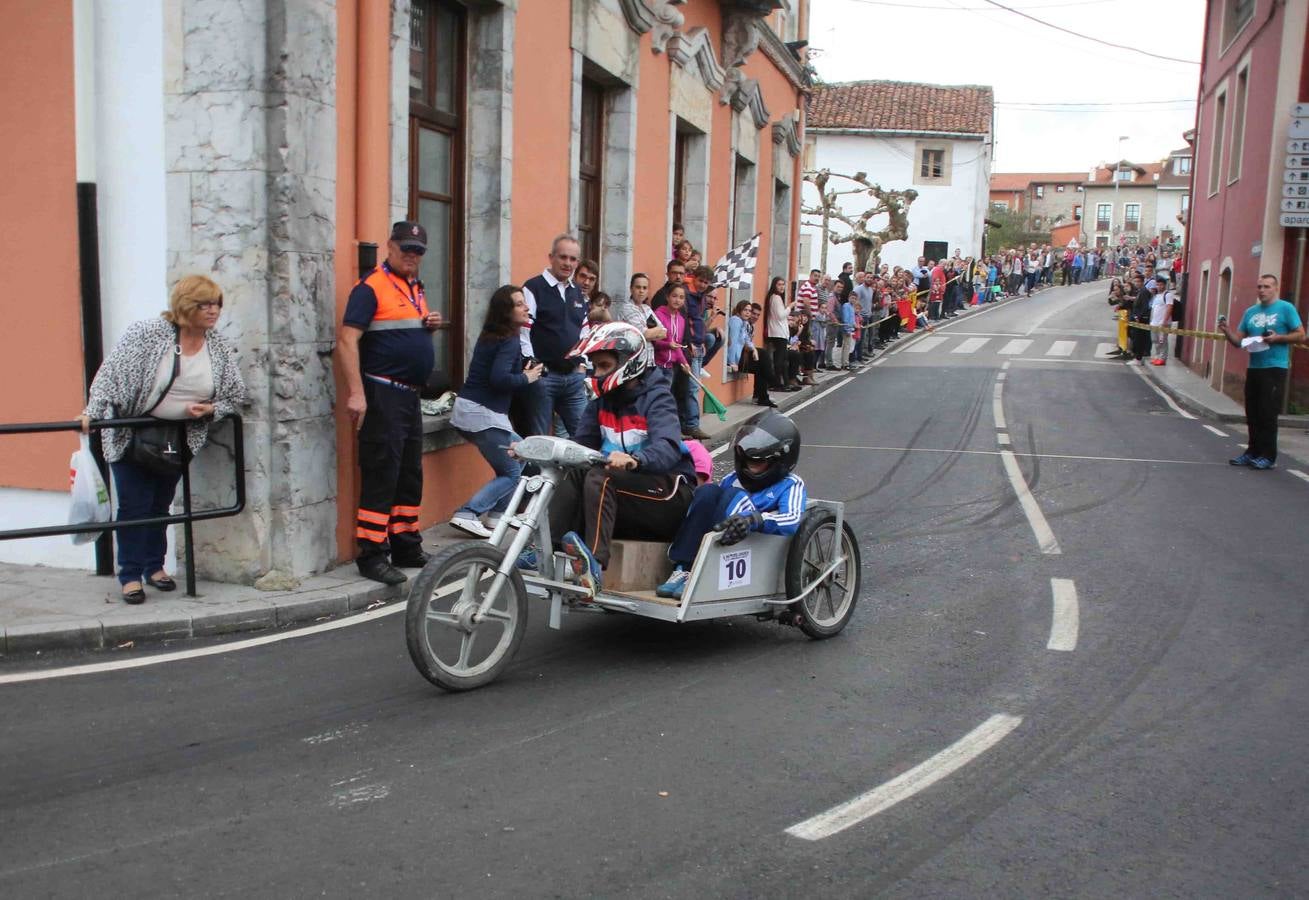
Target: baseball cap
409 234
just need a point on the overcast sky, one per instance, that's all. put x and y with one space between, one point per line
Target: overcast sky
970 42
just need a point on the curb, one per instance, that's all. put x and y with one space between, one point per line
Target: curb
1195 407
146 625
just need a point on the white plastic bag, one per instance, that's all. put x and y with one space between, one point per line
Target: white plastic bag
90 496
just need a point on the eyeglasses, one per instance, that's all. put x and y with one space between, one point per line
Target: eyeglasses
209 304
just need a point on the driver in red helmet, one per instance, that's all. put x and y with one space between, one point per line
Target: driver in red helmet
644 491
764 494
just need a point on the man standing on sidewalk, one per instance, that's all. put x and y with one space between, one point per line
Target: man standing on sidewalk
1277 325
1161 315
387 355
559 309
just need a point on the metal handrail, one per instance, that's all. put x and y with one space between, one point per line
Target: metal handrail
187 516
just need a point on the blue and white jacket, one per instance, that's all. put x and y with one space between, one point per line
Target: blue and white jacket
781 505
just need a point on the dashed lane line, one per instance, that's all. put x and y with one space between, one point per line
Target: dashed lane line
1298 474
904 786
1221 434
1045 538
1063 623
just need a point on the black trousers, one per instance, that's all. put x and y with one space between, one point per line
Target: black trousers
1139 340
1263 402
602 505
759 365
777 348
390 472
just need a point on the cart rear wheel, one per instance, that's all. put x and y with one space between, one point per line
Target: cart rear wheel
826 609
449 648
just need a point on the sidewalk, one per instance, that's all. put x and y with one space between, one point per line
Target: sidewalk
1193 393
45 608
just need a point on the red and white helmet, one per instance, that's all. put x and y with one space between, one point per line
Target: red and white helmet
624 341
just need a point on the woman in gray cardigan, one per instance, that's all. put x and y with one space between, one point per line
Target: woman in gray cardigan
136 379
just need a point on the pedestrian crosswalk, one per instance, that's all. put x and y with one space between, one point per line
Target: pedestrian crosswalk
1003 345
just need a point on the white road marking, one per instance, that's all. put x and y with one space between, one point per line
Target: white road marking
1298 474
1154 387
176 655
879 360
1040 527
1004 367
1001 377
1062 348
1003 439
1013 348
335 734
926 344
1060 359
904 786
986 334
1221 434
1139 459
1063 625
971 345
1105 349
997 410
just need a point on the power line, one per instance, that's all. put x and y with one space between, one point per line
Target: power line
1077 34
979 8
1036 104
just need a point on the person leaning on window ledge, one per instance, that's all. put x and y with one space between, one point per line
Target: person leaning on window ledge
387 357
174 367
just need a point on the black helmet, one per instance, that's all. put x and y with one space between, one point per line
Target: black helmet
774 438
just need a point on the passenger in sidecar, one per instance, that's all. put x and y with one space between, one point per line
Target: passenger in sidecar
763 494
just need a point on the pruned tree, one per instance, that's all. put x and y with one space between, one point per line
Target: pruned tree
867 244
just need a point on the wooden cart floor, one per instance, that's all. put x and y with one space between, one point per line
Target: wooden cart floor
647 596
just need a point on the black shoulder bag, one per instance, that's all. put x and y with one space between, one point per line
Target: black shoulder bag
155 448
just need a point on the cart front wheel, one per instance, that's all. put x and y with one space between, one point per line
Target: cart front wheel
449 643
824 611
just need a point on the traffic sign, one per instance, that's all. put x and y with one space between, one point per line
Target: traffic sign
1300 109
1300 161
1295 190
1296 176
1295 205
1297 146
1299 128
1294 220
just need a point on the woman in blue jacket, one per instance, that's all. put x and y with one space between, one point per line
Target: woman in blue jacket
481 412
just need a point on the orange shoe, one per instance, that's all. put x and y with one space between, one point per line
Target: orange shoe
1156 362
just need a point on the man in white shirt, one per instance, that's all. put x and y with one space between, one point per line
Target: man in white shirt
1161 313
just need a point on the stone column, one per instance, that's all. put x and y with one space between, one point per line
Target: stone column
250 135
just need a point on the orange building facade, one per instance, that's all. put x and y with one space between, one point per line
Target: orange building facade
269 150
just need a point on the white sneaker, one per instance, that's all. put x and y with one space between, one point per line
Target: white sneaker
470 525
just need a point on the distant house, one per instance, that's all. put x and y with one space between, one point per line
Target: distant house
1048 198
935 139
1121 204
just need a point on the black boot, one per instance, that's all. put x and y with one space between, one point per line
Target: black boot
377 568
413 560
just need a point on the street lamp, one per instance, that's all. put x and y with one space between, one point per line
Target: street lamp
1118 167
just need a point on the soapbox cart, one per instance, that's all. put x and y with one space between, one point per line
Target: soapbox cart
467 609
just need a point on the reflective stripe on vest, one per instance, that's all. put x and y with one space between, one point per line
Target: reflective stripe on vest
394 307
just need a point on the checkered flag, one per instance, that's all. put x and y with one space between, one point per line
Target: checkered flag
736 268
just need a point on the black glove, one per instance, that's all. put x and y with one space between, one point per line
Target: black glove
735 528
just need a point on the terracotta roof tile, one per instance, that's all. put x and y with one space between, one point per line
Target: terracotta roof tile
1018 181
902 106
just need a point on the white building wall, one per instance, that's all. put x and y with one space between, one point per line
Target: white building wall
950 213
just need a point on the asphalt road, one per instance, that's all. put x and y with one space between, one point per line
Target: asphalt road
1161 754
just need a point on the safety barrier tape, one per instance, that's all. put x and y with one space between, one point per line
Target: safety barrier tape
1187 332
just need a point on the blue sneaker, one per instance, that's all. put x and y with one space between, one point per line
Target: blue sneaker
1243 460
1262 462
675 585
584 565
528 560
